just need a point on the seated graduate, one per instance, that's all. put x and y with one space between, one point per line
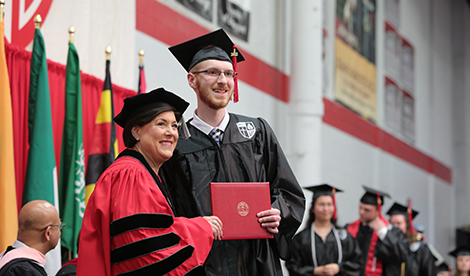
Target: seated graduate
462 260
322 248
129 227
384 247
420 260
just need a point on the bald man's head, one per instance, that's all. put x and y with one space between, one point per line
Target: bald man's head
38 225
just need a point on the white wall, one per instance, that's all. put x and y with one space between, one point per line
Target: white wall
97 24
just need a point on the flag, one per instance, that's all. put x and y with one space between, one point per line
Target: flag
8 210
72 160
104 145
142 84
41 171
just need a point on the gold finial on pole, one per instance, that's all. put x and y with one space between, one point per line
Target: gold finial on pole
37 21
2 14
141 57
71 34
108 52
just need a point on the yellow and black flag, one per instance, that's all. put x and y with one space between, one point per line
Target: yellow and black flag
104 147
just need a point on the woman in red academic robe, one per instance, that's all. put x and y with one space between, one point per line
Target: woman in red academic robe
129 227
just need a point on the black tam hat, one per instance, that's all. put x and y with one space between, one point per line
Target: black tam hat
140 102
215 45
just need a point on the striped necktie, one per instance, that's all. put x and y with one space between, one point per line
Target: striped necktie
216 134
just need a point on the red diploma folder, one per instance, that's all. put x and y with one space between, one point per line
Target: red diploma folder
237 204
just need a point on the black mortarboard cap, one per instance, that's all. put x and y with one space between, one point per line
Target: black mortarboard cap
322 189
442 267
462 250
398 209
370 196
140 102
196 50
325 189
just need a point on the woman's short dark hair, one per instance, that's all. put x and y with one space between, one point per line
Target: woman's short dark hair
144 117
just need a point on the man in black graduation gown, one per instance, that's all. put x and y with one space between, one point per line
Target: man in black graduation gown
38 232
226 147
420 259
384 247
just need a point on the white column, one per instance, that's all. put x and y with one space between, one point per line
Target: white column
306 99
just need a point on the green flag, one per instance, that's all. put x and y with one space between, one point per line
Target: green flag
72 159
41 172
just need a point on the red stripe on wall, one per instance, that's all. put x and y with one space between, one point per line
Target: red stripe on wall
346 120
171 28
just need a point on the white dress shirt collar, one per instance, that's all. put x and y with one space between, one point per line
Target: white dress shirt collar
205 127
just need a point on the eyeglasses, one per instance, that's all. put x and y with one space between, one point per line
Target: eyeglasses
216 73
61 226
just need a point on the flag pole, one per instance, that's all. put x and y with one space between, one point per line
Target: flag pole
71 34
37 21
141 57
108 52
2 14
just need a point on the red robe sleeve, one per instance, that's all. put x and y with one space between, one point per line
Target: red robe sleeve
129 228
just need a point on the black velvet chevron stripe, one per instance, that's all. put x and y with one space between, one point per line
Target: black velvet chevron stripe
143 247
198 270
164 266
138 221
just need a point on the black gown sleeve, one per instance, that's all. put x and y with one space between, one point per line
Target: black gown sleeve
394 248
426 261
301 263
352 260
286 193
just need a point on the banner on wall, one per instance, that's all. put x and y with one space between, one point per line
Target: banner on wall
355 81
392 12
355 72
201 7
393 105
234 17
355 25
392 51
407 65
408 115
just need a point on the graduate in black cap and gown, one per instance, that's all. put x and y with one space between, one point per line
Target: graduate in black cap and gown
227 147
129 227
420 260
384 247
322 248
462 260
